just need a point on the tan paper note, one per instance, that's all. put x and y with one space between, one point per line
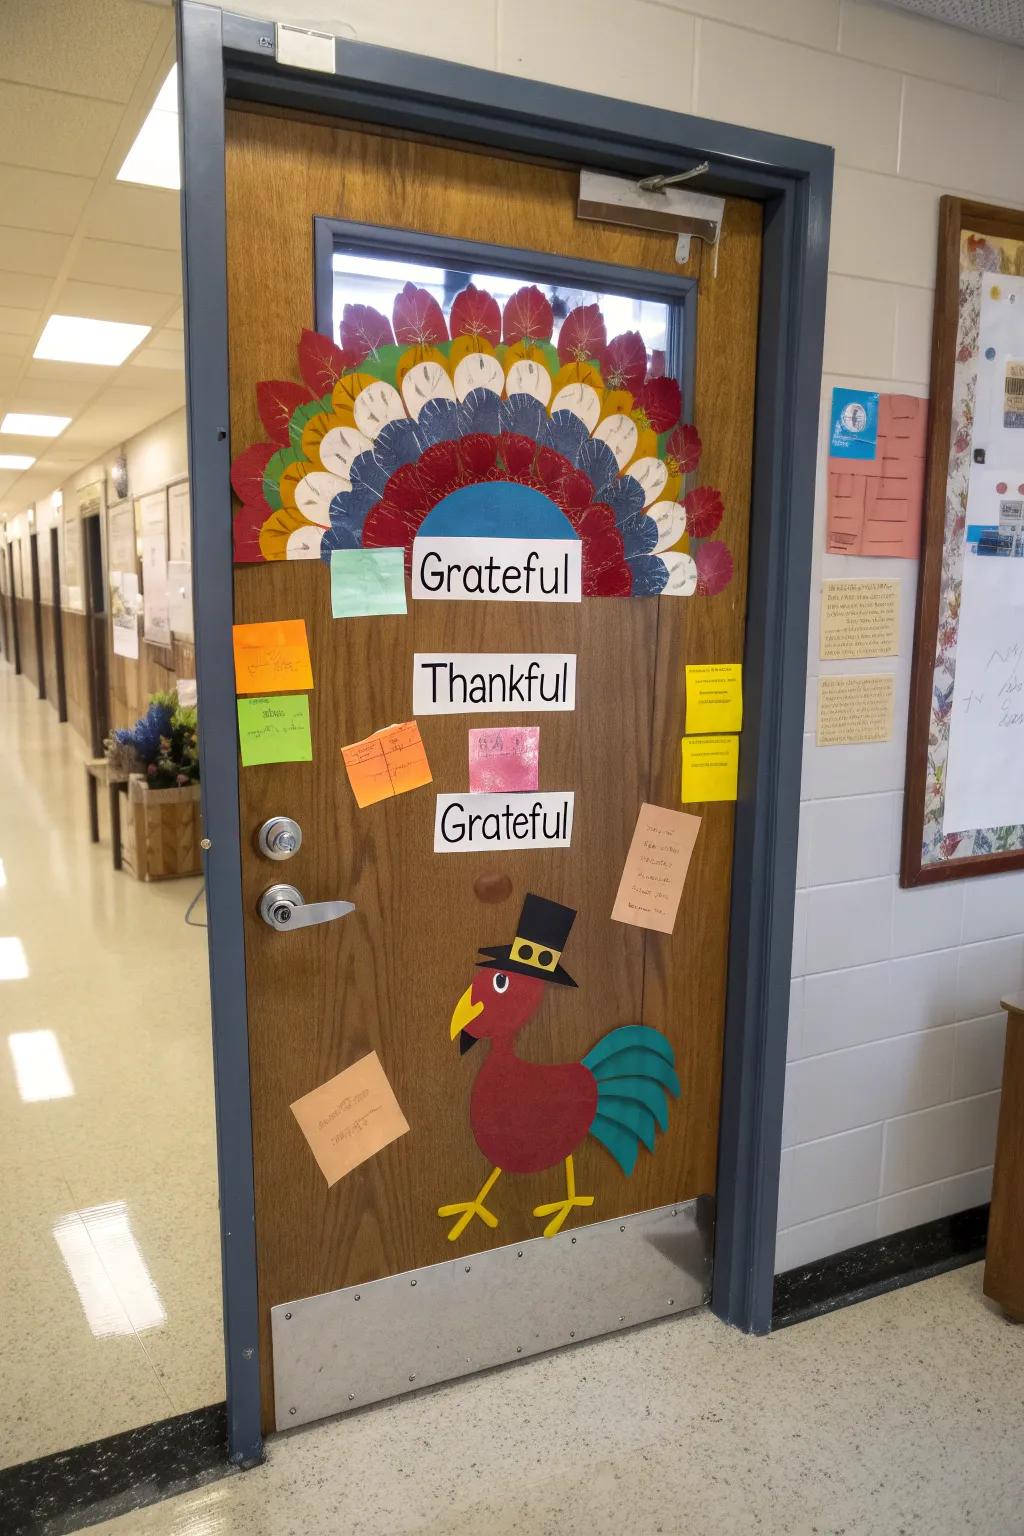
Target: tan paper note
859 618
655 868
855 709
350 1118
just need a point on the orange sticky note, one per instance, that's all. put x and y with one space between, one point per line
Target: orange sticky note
349 1118
386 764
272 658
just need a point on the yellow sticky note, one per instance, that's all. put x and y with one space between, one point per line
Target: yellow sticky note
714 698
710 768
272 658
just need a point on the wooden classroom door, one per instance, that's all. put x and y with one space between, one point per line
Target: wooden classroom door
474 381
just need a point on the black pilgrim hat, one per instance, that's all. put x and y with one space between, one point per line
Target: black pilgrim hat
541 934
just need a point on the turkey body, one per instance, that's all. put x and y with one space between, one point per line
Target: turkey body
527 1117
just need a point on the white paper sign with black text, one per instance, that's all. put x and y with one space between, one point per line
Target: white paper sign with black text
473 569
484 682
480 823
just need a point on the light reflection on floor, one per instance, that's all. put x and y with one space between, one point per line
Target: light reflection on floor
109 1247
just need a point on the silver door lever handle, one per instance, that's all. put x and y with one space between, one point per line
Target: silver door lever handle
283 907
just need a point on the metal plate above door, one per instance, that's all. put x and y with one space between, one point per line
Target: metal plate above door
359 1345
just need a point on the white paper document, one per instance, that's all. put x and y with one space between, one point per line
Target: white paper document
469 682
985 768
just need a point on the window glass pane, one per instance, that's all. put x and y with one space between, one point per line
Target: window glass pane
376 280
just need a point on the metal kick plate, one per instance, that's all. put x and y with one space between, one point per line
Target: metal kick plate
347 1348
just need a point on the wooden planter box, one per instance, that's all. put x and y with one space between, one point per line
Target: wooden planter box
160 831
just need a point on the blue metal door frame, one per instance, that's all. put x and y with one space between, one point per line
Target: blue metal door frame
222 55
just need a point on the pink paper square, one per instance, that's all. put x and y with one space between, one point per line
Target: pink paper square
506 759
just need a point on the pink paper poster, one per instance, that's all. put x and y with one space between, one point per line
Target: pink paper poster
504 760
875 505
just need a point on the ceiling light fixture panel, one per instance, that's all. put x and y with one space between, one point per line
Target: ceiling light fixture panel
29 424
76 339
153 160
9 461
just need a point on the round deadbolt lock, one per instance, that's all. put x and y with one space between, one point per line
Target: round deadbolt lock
279 838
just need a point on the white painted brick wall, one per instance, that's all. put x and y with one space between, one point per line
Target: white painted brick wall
895 1031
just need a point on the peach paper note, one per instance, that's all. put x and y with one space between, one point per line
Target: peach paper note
386 764
350 1118
655 869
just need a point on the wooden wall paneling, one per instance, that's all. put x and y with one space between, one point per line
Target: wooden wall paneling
27 635
387 977
76 673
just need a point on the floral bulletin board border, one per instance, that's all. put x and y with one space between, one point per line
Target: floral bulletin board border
980 256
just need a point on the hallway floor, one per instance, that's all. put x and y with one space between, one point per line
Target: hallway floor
109 1248
902 1415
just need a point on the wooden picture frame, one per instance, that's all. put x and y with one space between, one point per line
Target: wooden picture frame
985 233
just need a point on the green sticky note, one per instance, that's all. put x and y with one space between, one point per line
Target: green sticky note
274 730
367 581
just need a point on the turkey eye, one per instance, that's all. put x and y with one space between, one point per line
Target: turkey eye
501 982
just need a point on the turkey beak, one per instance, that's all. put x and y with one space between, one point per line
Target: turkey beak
465 1012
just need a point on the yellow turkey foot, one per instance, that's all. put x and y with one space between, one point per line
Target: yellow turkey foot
465 1210
558 1210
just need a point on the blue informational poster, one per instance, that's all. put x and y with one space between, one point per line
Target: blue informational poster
854 424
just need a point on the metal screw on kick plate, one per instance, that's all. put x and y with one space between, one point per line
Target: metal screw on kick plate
287 1317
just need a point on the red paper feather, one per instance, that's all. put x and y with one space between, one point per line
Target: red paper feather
714 567
625 362
364 329
277 400
479 455
528 317
582 336
475 313
247 473
703 511
441 470
321 362
419 320
518 452
684 445
245 529
661 401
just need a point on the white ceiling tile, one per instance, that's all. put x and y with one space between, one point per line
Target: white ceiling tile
152 359
9 368
56 397
44 371
31 250
42 199
95 301
13 346
18 322
89 47
136 216
49 132
18 288
129 266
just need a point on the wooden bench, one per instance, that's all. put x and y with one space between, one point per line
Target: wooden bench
1004 1260
98 771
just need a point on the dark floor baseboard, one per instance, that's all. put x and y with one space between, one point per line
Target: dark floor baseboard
74 1489
882 1265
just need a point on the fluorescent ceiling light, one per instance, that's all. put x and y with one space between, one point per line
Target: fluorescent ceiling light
153 159
39 1066
28 425
15 461
74 339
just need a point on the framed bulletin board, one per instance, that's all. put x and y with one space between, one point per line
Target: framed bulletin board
964 803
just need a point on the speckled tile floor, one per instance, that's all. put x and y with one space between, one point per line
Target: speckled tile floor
109 1248
904 1414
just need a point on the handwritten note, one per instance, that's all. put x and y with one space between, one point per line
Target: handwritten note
655 868
350 1118
504 760
984 777
854 709
710 768
274 730
366 582
714 698
272 658
859 618
387 764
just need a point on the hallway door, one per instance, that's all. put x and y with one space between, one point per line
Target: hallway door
37 614
511 373
57 619
96 632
